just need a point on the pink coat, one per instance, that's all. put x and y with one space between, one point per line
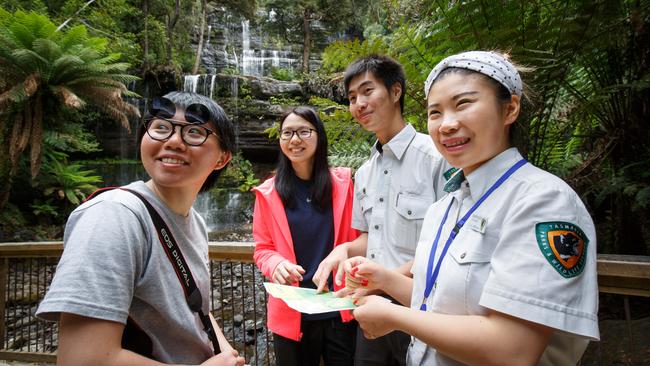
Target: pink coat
273 242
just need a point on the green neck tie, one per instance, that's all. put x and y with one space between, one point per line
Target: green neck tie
454 182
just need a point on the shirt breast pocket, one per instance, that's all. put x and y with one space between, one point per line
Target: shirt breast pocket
472 253
410 210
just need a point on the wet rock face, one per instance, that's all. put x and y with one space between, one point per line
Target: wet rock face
250 103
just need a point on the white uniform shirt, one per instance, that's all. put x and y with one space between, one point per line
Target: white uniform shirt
392 192
509 257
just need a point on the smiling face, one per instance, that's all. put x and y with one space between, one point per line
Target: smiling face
173 164
375 107
467 123
299 151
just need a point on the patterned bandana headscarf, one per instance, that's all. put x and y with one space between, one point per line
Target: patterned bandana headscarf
484 62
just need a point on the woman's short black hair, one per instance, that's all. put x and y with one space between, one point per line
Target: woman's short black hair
285 179
383 68
224 129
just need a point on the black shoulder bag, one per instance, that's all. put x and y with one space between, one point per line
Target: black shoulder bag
134 338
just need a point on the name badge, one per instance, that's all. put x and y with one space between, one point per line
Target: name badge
478 224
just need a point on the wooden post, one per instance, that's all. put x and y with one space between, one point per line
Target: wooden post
4 272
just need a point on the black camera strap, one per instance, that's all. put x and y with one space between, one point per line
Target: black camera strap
182 270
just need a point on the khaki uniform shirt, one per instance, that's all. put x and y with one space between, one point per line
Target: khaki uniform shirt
528 251
392 192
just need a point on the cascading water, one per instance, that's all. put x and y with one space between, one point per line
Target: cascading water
261 62
223 210
202 84
190 83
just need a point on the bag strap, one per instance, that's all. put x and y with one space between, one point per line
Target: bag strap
176 258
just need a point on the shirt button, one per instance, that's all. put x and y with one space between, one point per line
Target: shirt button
364 191
372 255
381 199
376 227
385 171
409 212
462 256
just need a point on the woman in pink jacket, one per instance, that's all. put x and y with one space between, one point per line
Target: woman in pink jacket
300 215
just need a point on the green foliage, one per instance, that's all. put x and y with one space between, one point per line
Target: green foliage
239 174
273 132
72 137
68 181
349 144
338 55
279 73
47 74
44 209
285 101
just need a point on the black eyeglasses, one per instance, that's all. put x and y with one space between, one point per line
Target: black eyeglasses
161 127
302 133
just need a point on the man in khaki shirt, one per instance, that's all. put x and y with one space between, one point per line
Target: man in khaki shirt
404 175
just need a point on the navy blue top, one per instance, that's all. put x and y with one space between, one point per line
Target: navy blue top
312 232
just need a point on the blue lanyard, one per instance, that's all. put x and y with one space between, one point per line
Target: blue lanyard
432 277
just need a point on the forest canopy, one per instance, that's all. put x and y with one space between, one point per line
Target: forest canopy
586 120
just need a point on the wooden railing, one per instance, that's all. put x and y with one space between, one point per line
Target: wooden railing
234 295
617 274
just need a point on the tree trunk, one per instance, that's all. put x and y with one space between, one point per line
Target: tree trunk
171 24
306 44
199 48
5 163
145 42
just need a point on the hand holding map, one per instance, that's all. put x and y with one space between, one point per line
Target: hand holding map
307 300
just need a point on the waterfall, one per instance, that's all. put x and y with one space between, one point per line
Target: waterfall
202 84
190 83
225 210
260 62
212 85
245 35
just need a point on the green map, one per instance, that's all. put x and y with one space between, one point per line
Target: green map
306 300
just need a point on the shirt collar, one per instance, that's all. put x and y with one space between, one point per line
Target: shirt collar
400 142
488 173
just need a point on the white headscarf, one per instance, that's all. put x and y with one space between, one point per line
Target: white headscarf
491 64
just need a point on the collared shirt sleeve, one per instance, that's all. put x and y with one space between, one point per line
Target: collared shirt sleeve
529 279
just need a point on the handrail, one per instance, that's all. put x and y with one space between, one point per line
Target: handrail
618 274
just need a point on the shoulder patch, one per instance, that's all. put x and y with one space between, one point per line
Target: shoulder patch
449 173
564 245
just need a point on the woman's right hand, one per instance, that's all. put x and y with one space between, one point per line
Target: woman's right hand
225 358
362 277
286 273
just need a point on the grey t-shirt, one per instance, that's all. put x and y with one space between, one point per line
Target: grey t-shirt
113 266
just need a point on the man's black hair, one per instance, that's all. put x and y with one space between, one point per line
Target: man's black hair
383 68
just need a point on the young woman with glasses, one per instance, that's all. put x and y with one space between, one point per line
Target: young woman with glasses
300 215
116 293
